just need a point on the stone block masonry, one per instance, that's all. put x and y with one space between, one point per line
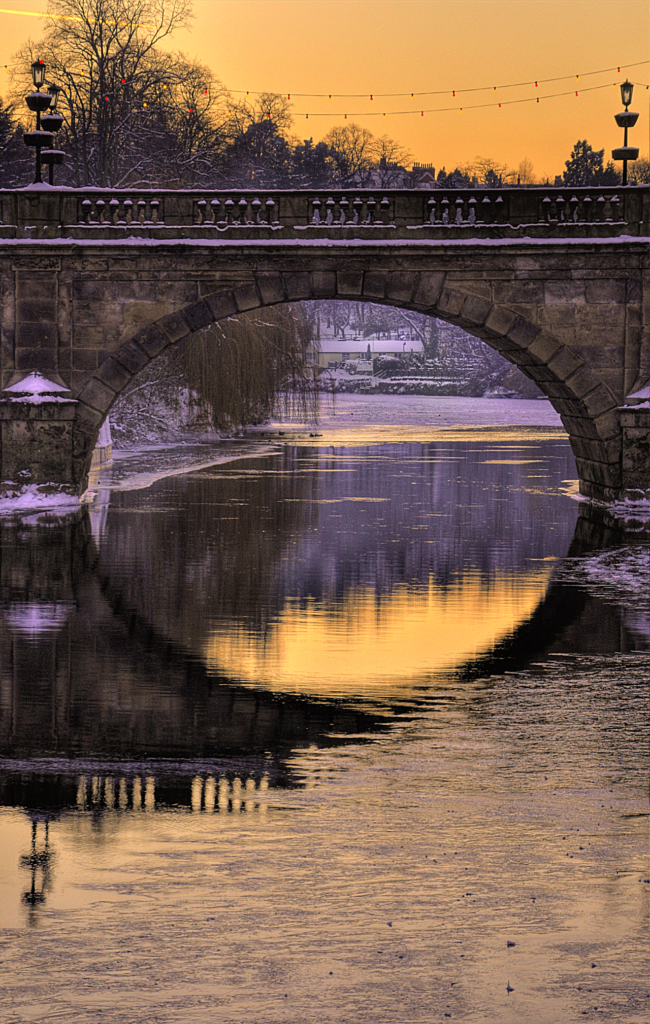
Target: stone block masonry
574 314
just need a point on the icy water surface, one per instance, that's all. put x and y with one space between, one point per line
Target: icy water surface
336 728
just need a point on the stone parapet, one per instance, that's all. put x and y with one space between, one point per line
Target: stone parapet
471 213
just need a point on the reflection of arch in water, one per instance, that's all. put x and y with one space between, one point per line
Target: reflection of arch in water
321 578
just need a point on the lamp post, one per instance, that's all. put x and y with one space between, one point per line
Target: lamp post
38 102
626 120
51 122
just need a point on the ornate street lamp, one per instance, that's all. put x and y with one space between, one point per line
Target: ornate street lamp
626 120
51 122
38 102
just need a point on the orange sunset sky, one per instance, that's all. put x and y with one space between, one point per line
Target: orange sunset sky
375 47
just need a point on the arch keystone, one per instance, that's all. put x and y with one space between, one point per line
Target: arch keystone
324 284
349 282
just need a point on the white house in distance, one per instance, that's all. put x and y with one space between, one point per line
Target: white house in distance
334 344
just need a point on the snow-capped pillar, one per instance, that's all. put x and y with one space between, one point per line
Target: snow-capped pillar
635 437
36 421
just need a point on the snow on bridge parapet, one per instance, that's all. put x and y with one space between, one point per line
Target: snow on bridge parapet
342 214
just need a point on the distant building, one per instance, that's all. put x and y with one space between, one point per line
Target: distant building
423 176
334 345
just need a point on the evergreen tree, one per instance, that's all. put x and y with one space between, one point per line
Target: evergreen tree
586 167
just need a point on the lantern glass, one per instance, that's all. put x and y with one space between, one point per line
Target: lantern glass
38 73
626 93
54 91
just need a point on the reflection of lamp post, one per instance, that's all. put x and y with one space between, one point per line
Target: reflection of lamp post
38 102
626 120
37 861
51 122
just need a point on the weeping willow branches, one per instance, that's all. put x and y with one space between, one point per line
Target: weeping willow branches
249 368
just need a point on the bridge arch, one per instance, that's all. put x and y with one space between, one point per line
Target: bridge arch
586 405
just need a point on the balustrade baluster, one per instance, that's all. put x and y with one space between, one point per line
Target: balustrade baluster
200 211
256 206
315 205
432 210
600 209
99 206
128 211
230 211
588 207
445 210
460 210
86 211
616 208
559 205
141 211
471 218
501 211
371 205
329 206
243 211
574 204
113 214
343 207
608 213
155 212
270 210
384 211
214 211
357 206
487 212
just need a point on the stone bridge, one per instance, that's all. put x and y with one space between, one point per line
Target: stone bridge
95 284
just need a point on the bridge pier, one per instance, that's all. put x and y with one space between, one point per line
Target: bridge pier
635 456
37 434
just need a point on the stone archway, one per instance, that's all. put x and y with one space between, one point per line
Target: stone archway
588 408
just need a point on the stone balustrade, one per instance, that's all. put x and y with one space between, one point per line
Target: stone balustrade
415 215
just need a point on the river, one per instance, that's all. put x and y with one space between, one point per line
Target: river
340 723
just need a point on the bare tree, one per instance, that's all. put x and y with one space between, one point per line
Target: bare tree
353 150
120 91
264 106
525 173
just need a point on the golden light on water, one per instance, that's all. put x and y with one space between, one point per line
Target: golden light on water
367 643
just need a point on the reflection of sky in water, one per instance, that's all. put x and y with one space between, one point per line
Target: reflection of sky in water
364 642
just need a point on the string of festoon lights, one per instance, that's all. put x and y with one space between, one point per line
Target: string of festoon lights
497 100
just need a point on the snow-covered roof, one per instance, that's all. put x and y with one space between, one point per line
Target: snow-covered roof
35 389
36 384
378 346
